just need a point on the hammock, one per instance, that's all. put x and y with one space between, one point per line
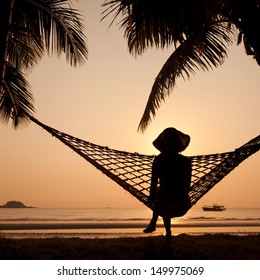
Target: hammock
132 171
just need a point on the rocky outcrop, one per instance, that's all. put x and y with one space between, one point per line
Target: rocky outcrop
15 204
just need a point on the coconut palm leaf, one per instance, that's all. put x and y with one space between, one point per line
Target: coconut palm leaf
198 34
29 29
57 24
160 24
16 101
198 30
201 51
246 16
25 47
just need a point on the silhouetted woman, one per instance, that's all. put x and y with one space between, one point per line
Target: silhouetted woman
171 178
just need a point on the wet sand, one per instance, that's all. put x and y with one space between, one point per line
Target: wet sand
122 225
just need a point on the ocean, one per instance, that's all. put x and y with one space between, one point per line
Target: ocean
120 222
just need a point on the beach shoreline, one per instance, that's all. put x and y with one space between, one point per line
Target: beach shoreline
92 230
120 232
118 225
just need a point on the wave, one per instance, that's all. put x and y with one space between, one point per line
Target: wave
71 220
223 219
125 216
192 221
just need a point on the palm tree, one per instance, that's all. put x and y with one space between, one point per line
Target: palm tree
28 29
199 30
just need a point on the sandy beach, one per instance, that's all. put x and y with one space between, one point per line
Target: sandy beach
181 247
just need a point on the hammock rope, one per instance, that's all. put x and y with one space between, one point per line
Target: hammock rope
132 171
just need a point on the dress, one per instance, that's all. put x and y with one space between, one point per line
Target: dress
171 178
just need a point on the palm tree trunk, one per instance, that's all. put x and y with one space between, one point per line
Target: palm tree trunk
6 8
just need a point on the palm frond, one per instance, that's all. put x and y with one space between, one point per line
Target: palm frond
58 25
16 101
200 51
151 24
25 47
114 6
148 24
245 15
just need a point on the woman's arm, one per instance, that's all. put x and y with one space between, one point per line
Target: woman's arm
187 175
154 181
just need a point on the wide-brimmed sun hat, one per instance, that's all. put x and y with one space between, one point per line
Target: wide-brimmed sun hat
171 139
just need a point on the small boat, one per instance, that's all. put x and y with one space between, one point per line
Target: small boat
214 207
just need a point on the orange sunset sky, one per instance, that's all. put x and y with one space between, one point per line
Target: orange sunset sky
103 101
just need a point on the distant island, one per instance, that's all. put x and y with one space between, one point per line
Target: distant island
15 204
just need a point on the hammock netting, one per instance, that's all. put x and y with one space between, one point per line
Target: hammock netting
132 171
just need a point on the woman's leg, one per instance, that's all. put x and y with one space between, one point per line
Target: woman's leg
167 225
152 225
